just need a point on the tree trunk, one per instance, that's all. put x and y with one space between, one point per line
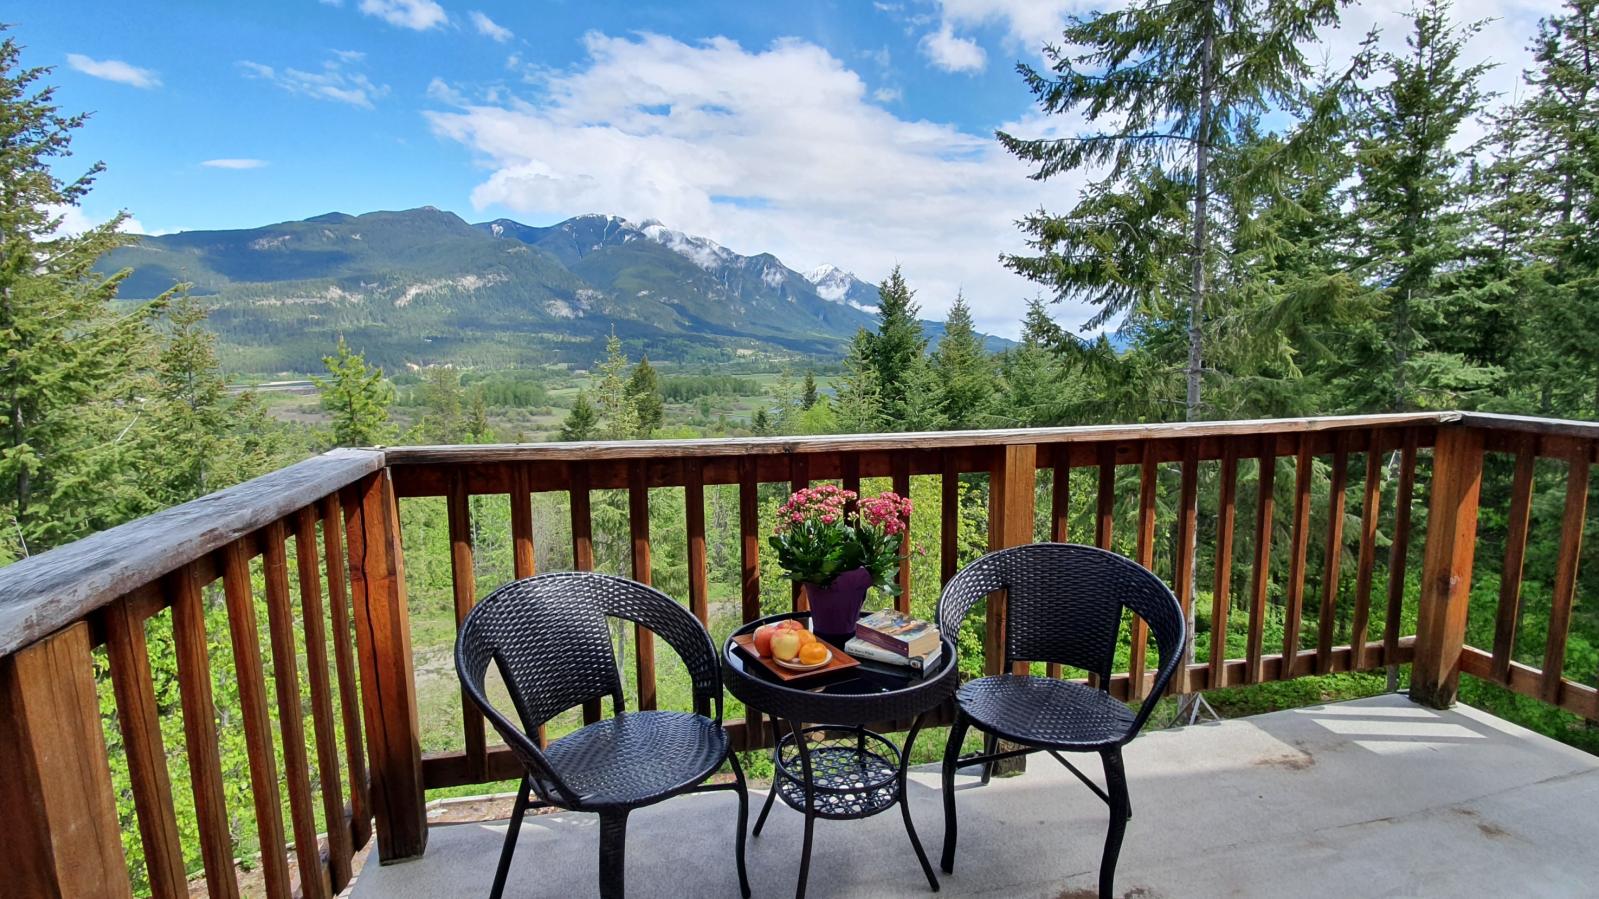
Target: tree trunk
1196 302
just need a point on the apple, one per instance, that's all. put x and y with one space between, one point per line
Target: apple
785 646
763 639
791 624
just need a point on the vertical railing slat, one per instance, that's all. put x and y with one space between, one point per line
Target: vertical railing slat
1566 564
1260 579
694 516
1399 554
1333 558
1221 598
749 530
1508 615
344 666
799 478
316 665
129 655
902 486
463 583
246 639
1370 512
1105 501
1186 557
1138 643
291 717
200 734
523 560
948 518
638 523
1298 551
582 554
1059 513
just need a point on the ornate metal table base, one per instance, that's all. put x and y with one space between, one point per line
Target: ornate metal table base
842 772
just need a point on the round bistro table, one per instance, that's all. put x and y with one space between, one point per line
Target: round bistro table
827 763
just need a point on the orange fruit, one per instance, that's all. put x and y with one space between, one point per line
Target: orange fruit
813 653
806 637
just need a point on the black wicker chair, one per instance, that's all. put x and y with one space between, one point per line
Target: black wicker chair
1063 604
549 636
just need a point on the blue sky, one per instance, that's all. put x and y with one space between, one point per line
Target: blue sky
850 132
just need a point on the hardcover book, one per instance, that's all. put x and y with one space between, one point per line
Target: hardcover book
898 632
871 652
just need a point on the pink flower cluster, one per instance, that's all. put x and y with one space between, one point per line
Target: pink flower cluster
888 511
824 503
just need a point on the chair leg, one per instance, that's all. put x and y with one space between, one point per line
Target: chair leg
1120 811
518 811
990 746
771 792
952 752
743 821
613 846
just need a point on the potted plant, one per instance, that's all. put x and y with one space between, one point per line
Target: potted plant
838 549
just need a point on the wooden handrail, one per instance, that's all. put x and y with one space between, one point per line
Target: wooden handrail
44 593
593 451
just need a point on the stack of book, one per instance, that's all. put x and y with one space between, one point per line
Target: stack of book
893 638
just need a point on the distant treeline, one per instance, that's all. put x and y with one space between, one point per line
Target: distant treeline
514 389
683 388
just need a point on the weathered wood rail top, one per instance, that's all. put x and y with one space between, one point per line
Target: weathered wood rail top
44 593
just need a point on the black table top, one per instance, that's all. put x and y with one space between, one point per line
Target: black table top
868 693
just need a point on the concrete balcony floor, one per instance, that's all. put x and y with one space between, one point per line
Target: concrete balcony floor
1376 797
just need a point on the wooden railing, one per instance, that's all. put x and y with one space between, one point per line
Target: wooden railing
1414 479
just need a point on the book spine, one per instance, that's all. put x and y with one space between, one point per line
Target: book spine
873 652
877 639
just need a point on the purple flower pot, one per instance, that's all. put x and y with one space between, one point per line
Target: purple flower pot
836 606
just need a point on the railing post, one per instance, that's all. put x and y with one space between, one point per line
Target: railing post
1446 565
388 683
61 836
1010 523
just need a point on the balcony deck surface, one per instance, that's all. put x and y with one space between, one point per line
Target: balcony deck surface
1376 797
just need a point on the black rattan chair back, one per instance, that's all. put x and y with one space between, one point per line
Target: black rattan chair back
549 636
1064 604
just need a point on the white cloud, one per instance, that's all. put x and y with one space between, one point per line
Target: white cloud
74 221
350 56
440 91
714 140
951 53
114 70
888 95
489 28
1028 24
335 82
417 15
236 164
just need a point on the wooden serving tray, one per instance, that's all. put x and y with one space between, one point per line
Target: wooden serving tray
838 662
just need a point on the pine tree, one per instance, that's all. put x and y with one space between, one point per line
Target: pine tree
1174 80
645 391
896 347
442 421
1031 376
761 423
808 392
964 373
70 364
1563 155
478 429
618 413
582 423
859 398
1407 199
357 396
197 438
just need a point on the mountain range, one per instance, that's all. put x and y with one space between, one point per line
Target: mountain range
423 286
